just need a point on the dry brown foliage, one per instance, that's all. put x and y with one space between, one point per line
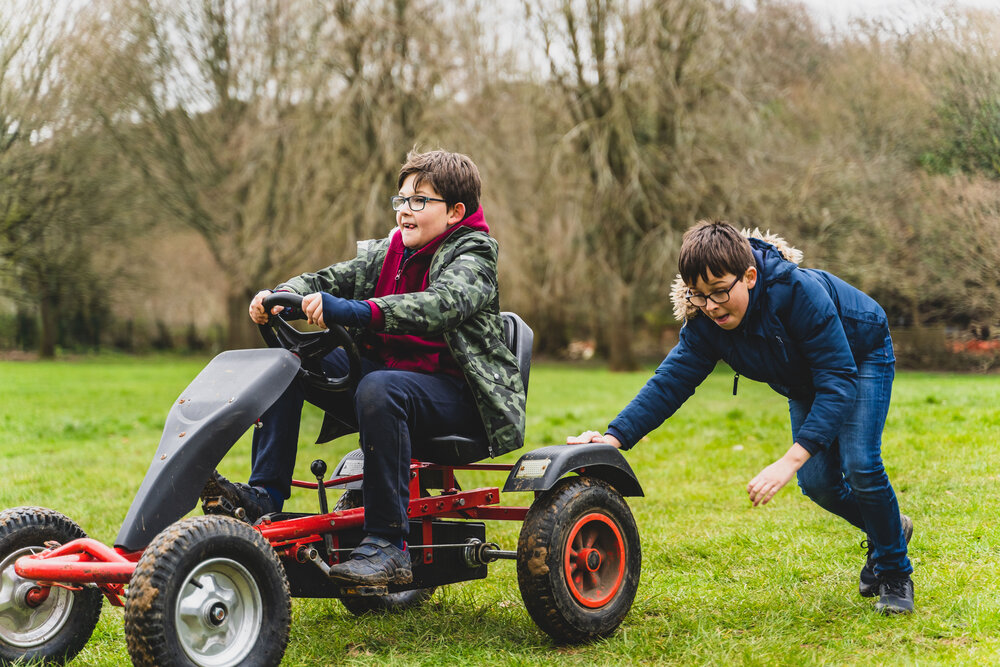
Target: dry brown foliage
602 129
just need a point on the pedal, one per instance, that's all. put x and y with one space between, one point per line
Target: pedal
365 591
222 505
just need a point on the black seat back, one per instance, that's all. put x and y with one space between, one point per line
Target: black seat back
519 338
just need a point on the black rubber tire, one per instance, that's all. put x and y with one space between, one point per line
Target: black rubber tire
550 569
217 559
72 615
391 602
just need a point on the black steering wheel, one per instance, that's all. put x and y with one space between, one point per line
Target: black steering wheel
310 346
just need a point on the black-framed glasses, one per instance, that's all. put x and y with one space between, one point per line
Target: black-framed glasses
719 296
416 202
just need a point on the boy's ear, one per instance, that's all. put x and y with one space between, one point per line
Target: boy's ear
751 277
456 214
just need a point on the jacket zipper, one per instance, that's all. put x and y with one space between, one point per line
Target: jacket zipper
736 378
399 274
781 345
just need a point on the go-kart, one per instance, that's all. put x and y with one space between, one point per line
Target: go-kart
215 590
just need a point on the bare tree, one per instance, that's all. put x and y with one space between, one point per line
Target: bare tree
272 129
629 78
27 49
48 222
202 98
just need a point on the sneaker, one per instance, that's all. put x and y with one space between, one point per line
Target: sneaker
375 562
895 595
245 502
869 585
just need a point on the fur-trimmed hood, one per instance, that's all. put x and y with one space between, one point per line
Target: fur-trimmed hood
684 310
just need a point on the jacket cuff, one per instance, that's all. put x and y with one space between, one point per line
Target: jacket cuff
612 431
377 322
810 446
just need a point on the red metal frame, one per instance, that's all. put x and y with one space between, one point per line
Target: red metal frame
87 561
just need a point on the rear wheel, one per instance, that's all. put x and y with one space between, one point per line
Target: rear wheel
391 602
208 591
37 624
578 560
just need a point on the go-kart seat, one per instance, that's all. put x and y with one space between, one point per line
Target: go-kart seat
459 450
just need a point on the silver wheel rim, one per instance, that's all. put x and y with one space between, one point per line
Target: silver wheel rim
219 613
22 625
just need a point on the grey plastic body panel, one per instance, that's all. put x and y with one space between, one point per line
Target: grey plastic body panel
353 463
540 469
206 420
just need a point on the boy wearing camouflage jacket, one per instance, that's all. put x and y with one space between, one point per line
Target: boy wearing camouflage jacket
434 358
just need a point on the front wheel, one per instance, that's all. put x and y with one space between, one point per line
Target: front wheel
578 560
36 625
208 591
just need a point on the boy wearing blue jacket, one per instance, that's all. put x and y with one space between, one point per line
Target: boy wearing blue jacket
818 341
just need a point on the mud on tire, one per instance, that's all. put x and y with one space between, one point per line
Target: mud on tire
209 590
57 629
578 560
391 602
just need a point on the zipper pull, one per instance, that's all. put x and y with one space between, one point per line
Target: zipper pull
402 265
736 379
781 346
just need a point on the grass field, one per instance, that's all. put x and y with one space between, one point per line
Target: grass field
722 583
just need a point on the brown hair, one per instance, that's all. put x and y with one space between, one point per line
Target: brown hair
716 246
452 175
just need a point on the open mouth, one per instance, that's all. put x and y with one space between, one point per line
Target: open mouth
407 225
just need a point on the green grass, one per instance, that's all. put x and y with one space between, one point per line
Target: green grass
722 583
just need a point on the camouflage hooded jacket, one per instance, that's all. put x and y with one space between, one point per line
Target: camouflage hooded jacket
461 304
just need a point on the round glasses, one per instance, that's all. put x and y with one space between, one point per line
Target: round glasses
719 296
415 202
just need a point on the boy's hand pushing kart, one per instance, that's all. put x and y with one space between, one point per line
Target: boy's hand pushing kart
215 590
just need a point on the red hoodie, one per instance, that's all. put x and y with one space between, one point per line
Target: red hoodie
400 275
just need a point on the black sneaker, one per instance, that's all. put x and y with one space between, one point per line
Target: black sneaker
245 502
375 562
895 595
869 586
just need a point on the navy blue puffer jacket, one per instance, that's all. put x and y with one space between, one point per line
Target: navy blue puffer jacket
803 333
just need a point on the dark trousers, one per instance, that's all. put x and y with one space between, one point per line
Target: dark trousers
394 412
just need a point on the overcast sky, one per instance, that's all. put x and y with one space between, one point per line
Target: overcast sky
838 13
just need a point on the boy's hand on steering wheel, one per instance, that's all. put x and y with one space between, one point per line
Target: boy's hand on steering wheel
312 307
345 312
257 313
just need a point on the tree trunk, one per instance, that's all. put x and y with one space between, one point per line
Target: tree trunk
47 339
241 332
619 329
915 313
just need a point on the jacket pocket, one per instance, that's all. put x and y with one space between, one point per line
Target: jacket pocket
865 331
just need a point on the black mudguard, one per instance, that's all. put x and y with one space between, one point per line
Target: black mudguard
206 420
540 469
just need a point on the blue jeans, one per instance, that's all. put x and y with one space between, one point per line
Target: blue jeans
393 410
849 479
